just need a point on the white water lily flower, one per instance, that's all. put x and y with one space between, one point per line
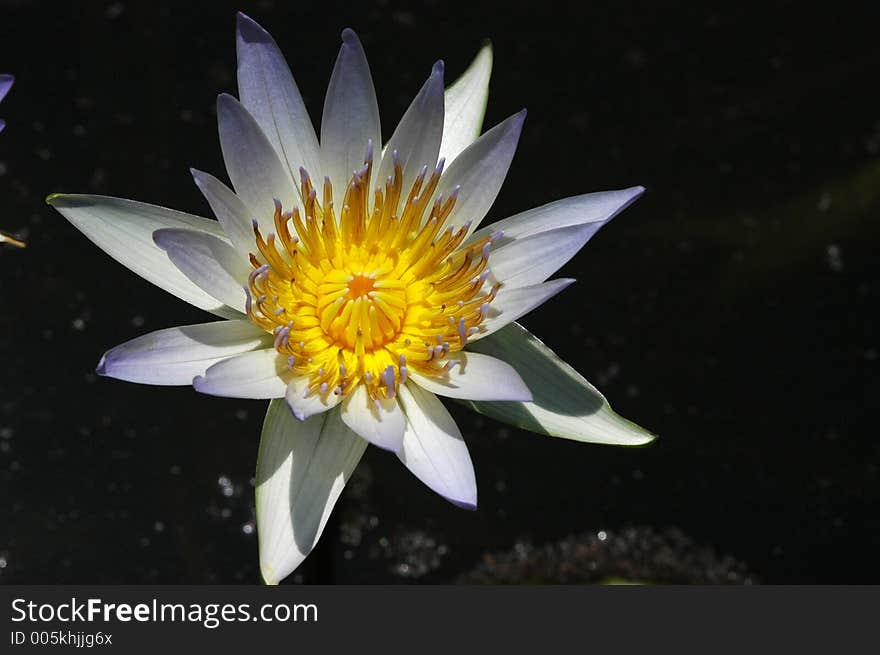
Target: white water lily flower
356 286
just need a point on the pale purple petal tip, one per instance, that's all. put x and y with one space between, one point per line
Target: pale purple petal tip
5 84
471 507
349 36
250 30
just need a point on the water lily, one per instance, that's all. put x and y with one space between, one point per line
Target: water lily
356 285
5 84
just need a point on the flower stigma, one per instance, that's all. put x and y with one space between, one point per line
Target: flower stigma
382 290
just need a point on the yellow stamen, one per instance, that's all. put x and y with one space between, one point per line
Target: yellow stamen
373 295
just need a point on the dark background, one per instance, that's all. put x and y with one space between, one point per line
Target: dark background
731 309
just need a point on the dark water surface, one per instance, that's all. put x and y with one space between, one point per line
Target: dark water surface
731 310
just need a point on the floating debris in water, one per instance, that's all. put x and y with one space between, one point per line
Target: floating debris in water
640 555
412 553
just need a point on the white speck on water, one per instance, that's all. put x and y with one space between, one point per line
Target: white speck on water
78 324
248 528
602 535
137 320
226 487
609 374
835 258
158 526
114 11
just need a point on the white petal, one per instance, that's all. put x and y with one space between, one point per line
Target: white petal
302 468
533 259
214 265
466 106
476 377
259 374
257 175
595 208
513 302
124 230
175 356
302 405
433 448
417 138
230 210
382 426
480 170
564 405
351 116
267 90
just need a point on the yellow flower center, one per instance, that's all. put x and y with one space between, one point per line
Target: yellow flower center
368 296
